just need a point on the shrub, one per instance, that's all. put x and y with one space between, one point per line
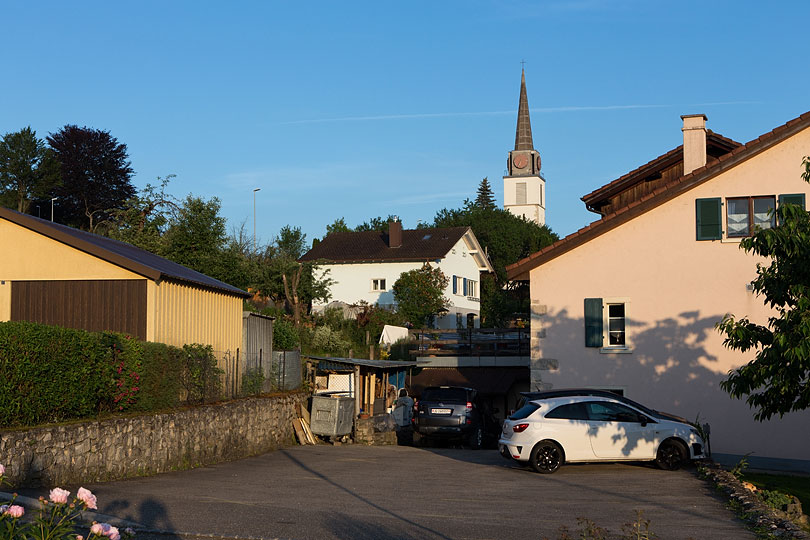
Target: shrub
326 340
50 374
252 382
161 376
285 337
124 365
201 376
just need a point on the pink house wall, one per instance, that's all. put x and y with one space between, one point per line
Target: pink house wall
676 289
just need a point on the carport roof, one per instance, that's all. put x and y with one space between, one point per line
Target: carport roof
121 254
381 364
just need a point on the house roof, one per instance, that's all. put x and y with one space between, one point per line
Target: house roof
716 144
372 246
121 254
520 270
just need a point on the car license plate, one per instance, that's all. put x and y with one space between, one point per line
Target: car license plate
441 411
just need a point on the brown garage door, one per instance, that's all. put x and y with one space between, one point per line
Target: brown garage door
117 305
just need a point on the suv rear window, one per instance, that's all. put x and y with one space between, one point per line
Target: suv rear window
524 411
445 394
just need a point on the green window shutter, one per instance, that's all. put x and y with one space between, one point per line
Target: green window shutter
709 214
593 322
792 198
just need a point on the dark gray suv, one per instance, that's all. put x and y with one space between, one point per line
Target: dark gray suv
454 412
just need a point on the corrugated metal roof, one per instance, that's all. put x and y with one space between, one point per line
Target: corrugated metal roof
382 364
121 254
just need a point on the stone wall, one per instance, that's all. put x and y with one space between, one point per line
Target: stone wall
98 451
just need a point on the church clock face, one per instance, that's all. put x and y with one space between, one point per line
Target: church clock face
520 161
538 163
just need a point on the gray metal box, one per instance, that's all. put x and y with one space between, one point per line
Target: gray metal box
332 416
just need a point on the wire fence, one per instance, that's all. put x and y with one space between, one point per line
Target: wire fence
250 374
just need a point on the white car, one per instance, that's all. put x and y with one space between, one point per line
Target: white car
547 432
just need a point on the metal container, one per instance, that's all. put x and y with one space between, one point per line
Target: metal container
332 415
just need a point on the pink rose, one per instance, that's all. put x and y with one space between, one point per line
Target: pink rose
2 470
15 511
87 497
59 495
113 534
79 537
97 529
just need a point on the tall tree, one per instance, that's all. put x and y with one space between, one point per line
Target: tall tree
28 169
420 295
777 380
144 218
339 225
506 238
196 236
485 198
96 175
379 224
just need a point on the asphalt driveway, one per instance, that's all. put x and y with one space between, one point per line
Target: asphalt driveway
360 492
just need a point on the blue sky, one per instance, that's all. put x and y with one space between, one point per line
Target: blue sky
360 109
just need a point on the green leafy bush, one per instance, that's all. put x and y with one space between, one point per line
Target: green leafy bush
161 376
774 499
285 338
324 339
50 374
124 370
202 379
252 382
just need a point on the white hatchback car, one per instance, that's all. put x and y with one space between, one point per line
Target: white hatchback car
545 433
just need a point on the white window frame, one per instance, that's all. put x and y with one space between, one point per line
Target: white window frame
606 347
472 288
459 286
375 285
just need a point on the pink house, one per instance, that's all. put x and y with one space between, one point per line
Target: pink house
630 302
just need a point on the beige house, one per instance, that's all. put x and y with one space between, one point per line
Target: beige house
630 302
58 275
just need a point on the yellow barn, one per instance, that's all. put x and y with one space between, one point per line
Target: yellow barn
53 274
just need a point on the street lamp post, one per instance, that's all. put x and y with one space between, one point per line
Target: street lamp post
52 208
254 216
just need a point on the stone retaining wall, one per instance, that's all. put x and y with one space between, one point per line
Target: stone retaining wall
98 451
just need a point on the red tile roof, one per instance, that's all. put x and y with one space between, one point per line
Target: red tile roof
372 246
520 270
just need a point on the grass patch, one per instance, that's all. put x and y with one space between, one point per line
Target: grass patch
798 486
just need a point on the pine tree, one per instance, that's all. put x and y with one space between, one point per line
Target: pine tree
485 198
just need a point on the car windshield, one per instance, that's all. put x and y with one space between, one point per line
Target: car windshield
524 411
445 394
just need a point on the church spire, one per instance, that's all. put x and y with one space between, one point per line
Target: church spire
523 133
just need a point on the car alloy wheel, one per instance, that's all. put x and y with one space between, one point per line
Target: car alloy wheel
670 455
546 457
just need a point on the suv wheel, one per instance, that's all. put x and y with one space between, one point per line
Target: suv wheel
546 457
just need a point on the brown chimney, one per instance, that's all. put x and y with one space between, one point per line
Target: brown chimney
694 142
394 234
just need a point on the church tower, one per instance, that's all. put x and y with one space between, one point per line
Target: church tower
524 188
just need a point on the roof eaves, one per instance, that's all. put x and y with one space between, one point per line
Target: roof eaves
519 271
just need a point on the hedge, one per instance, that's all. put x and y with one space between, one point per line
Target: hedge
51 374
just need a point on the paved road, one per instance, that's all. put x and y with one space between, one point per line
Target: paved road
359 492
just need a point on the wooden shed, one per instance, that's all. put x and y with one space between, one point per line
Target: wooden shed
53 274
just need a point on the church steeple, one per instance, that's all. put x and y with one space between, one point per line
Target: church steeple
523 133
524 186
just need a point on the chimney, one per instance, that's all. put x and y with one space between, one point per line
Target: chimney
694 142
394 234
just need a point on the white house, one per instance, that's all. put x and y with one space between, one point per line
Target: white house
630 302
365 265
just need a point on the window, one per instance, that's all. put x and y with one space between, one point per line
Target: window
611 412
459 286
524 411
744 215
378 284
472 288
572 411
605 323
520 193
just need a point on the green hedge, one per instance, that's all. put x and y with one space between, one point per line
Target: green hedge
51 374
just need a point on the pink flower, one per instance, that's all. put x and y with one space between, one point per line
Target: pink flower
97 529
129 531
2 470
15 511
87 497
113 534
59 495
79 537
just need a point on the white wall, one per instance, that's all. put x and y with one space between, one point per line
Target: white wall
677 289
353 282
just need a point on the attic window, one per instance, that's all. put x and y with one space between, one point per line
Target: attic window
426 237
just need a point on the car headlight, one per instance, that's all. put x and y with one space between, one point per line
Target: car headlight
695 433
